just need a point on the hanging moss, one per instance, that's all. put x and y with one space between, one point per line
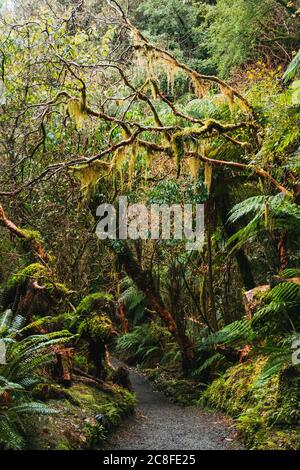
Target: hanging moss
88 175
200 87
177 145
208 172
131 164
77 112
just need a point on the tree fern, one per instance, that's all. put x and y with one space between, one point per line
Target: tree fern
286 292
283 298
284 214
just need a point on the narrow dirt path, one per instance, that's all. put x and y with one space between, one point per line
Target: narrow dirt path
159 424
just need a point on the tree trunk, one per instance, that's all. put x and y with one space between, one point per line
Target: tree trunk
240 256
123 319
213 313
280 239
145 283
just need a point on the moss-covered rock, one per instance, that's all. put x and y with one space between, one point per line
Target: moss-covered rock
48 391
178 389
267 416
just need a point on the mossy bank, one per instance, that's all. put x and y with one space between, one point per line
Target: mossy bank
84 416
268 416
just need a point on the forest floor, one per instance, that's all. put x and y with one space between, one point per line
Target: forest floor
159 424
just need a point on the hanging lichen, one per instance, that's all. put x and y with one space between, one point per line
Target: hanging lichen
136 36
120 158
208 175
154 89
194 164
88 175
151 58
243 105
178 148
201 88
171 70
227 91
76 112
131 164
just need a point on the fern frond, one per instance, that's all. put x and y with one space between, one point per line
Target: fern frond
207 364
290 272
293 69
286 292
10 437
238 331
33 408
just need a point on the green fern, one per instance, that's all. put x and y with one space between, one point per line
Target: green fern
283 299
237 332
24 359
290 272
215 358
133 299
279 357
293 69
147 343
284 215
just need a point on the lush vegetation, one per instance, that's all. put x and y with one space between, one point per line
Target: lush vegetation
174 102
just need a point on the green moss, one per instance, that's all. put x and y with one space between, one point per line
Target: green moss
33 271
179 390
93 302
96 327
57 287
85 418
287 412
48 391
38 272
33 235
267 417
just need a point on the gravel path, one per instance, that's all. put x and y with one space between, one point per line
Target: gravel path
159 424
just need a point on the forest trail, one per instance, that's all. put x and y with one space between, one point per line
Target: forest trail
159 424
